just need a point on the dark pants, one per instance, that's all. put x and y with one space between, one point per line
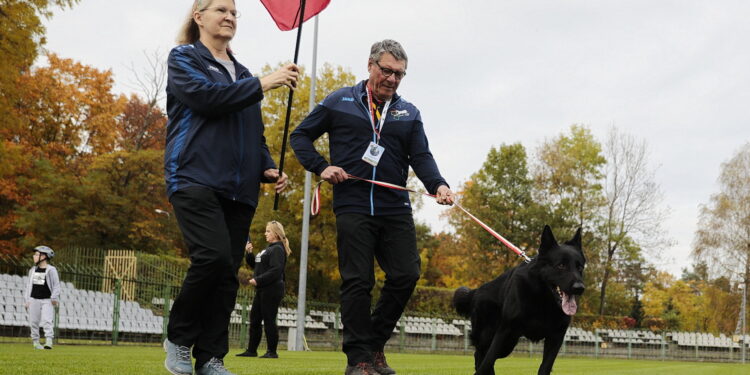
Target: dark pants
264 310
215 230
392 241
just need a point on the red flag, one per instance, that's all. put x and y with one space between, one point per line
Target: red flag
286 12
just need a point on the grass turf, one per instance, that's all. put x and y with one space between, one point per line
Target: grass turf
20 359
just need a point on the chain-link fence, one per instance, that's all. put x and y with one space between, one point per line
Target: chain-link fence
101 308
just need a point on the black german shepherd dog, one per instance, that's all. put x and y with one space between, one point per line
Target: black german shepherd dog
535 300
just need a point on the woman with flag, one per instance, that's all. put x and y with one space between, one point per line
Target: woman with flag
215 159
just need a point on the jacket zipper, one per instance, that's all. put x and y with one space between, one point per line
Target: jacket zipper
374 169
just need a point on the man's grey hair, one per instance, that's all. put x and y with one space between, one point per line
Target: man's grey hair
388 45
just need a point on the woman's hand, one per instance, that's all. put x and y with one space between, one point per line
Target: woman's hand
273 175
286 76
253 282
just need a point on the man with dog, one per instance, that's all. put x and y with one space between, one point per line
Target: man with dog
376 134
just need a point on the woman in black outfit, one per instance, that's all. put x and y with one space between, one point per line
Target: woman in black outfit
269 281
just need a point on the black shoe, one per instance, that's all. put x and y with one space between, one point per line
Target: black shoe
47 347
269 355
380 365
248 353
362 368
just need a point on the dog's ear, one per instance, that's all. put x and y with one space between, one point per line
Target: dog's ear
548 240
576 240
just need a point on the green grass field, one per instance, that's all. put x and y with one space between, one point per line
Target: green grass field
20 359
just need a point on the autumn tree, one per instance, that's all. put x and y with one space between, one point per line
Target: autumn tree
110 206
691 303
142 126
443 261
67 116
568 174
499 194
69 111
21 39
632 209
22 36
723 236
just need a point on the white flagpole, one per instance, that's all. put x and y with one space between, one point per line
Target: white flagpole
302 292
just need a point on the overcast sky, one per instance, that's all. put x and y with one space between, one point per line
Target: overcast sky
487 73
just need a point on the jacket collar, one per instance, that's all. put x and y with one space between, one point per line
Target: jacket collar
206 54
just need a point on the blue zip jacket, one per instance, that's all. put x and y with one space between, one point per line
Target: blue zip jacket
344 115
214 129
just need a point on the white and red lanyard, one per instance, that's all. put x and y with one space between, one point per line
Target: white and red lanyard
380 116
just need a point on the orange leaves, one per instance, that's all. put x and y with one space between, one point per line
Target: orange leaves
142 126
68 110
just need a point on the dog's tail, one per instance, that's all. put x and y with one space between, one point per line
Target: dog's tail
462 300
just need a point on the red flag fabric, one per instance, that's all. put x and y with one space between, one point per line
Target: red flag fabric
286 12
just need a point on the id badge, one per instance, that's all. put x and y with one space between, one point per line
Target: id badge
38 278
373 153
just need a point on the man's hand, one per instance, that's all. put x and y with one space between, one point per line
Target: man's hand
444 195
286 76
55 303
249 247
253 282
273 175
334 175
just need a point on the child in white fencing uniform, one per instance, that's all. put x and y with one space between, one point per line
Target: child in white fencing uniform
42 294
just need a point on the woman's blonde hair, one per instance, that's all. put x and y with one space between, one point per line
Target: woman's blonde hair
189 32
278 230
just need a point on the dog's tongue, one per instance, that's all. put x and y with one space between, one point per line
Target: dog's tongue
569 306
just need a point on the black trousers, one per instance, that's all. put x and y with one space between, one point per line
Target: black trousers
361 239
215 231
265 308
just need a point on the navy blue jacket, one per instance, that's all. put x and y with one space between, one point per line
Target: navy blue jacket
345 117
269 265
215 130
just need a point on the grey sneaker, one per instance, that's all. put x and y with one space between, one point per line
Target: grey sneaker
178 359
37 345
380 365
214 366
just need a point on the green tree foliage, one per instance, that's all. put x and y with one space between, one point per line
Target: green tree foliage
111 206
568 176
499 194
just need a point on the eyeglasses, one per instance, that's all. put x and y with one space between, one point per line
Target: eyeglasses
224 11
389 72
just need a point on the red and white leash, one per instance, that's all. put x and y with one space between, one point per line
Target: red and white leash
315 209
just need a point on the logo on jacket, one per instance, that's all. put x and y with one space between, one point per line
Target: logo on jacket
397 114
215 69
347 99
